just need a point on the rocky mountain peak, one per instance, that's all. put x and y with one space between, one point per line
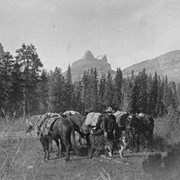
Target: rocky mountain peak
87 62
102 58
88 55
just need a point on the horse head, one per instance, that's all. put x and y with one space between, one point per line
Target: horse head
32 123
131 121
29 125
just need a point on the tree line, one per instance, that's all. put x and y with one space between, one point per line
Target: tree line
26 87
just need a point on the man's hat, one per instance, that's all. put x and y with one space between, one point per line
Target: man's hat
109 109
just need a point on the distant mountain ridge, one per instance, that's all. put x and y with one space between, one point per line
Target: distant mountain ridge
166 64
87 62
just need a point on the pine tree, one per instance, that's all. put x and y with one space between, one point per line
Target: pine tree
129 95
109 91
118 90
30 65
68 90
16 97
154 95
6 68
141 88
43 92
165 100
77 100
56 92
101 92
94 90
85 91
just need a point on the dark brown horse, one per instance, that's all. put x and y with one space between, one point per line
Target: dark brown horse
141 124
122 123
61 129
104 128
77 122
56 128
34 123
107 123
94 124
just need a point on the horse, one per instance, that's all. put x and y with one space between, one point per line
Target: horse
121 123
141 124
104 126
77 121
107 124
34 123
94 124
56 128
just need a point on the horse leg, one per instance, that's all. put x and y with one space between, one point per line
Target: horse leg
146 143
91 146
133 141
68 148
76 151
88 143
79 139
129 140
50 146
57 143
118 133
47 148
42 140
137 142
63 147
150 141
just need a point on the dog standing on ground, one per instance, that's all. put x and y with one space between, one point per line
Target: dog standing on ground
120 146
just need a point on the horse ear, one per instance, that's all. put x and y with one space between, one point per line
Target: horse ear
28 122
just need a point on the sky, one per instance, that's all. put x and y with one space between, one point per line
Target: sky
127 31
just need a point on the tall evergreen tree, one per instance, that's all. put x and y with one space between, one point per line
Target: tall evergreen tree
94 90
129 95
16 97
6 68
101 92
141 85
69 90
109 91
118 90
30 65
77 99
154 95
56 92
43 92
85 91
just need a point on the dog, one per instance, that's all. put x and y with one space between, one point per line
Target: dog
120 146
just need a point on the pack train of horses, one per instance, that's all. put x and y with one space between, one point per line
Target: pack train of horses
121 130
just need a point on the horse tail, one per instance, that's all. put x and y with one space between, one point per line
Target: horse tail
74 146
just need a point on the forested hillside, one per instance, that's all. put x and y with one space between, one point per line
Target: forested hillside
25 86
166 64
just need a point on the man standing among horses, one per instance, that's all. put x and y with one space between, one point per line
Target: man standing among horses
108 124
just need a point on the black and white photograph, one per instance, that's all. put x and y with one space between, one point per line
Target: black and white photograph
89 90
